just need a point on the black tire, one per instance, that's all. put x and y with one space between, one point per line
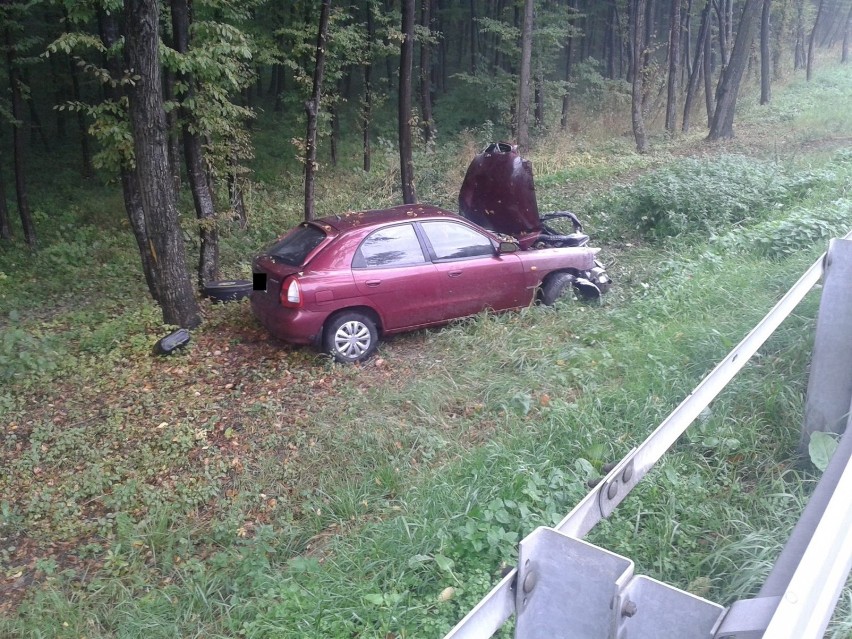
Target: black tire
350 337
227 290
556 287
171 342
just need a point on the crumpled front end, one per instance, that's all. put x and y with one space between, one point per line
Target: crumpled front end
498 193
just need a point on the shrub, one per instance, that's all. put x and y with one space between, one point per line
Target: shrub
700 195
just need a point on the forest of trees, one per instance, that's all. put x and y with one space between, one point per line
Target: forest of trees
162 95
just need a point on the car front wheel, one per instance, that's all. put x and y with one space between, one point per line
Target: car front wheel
557 286
351 337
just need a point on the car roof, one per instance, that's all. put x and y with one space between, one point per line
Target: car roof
358 219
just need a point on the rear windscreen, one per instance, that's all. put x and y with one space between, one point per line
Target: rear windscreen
296 247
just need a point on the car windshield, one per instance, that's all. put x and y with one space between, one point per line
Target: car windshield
296 247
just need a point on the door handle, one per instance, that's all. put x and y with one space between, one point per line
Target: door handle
454 273
373 283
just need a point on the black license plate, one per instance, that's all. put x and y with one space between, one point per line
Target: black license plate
259 282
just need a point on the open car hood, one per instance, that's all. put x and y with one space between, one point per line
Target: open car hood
498 192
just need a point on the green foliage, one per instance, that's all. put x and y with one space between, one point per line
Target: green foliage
820 449
704 197
24 352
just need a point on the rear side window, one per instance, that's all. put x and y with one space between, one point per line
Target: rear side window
296 247
451 241
392 246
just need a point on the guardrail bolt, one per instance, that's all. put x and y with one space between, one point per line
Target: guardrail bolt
529 582
627 473
628 609
612 491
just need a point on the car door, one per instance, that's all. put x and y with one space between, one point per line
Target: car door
391 269
472 276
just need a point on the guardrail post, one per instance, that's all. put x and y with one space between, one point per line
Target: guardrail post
830 382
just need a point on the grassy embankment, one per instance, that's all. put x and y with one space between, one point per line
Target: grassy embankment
247 488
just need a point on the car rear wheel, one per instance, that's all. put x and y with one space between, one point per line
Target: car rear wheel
351 337
557 286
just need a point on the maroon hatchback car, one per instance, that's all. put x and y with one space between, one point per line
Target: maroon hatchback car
342 281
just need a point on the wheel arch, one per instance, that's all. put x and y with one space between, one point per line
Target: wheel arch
369 311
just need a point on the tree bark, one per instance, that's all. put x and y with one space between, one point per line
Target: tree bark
406 164
569 53
637 38
799 55
474 53
692 87
18 141
674 68
810 70
173 127
196 170
707 63
729 83
5 226
87 170
109 34
765 56
428 125
148 123
524 79
367 111
312 107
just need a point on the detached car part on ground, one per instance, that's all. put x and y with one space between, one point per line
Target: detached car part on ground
343 281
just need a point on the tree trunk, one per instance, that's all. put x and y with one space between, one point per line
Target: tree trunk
692 87
686 30
87 170
196 170
367 111
799 55
729 83
109 33
524 79
637 38
844 56
312 107
538 98
428 126
406 164
569 53
148 124
674 68
707 63
60 96
18 141
722 18
765 56
474 54
810 69
173 128
235 194
5 226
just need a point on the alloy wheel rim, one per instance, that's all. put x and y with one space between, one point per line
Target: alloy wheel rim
352 339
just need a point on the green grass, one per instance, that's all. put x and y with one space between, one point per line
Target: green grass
244 488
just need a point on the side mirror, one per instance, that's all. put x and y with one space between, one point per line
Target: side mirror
507 247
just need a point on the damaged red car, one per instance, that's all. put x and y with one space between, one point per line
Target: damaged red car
343 281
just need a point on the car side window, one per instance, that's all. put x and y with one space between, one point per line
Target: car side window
452 241
391 246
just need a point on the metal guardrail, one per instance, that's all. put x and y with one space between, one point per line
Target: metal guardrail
567 588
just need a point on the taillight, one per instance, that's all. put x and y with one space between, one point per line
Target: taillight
291 293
